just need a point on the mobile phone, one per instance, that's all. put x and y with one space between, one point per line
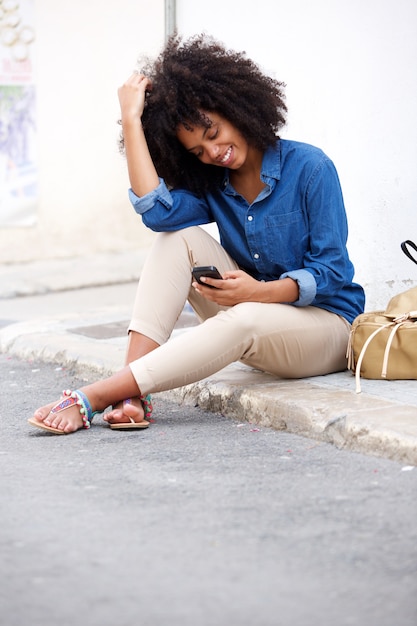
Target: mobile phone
209 270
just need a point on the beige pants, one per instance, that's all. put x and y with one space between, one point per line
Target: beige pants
287 341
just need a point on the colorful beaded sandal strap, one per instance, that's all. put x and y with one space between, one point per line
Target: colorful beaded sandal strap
147 405
78 398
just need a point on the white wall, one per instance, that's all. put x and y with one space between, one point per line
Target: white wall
350 70
351 81
83 52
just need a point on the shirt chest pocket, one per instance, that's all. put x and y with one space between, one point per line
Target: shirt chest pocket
287 239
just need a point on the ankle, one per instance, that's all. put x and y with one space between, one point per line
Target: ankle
97 402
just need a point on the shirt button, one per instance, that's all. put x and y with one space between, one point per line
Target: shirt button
250 218
256 256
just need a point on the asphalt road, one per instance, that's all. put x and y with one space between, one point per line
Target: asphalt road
197 521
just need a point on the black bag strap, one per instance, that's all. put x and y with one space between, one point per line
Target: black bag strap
407 251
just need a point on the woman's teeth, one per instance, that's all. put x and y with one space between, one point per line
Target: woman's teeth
227 155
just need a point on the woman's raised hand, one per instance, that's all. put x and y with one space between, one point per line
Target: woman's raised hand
132 95
142 173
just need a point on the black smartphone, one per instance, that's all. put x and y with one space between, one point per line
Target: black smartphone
209 270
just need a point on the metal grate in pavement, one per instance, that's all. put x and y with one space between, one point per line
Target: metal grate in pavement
119 329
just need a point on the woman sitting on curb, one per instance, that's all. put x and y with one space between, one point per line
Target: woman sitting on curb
200 136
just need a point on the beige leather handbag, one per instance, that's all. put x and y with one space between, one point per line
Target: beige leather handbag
383 344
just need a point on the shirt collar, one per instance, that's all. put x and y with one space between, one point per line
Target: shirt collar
271 162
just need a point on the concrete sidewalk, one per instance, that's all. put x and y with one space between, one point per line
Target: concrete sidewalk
381 421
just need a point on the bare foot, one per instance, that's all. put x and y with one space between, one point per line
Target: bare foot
126 411
67 421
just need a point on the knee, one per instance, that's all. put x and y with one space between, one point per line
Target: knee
171 243
167 237
183 233
185 238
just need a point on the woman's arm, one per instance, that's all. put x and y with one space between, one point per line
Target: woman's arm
142 173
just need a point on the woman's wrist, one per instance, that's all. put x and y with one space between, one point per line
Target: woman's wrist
276 291
131 121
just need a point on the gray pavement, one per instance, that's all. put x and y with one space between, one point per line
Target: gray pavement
74 313
199 520
203 519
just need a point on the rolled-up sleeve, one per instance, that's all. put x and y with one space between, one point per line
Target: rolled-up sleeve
164 210
147 202
307 287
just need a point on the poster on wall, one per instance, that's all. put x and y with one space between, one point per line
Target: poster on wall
18 167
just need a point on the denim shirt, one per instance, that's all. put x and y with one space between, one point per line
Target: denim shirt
295 228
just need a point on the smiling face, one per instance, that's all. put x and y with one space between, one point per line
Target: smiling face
221 144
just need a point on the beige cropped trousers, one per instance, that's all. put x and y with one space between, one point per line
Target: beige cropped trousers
284 340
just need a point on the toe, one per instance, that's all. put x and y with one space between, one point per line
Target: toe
42 413
129 411
114 417
65 420
68 420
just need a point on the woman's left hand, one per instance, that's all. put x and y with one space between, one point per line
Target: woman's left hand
237 286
